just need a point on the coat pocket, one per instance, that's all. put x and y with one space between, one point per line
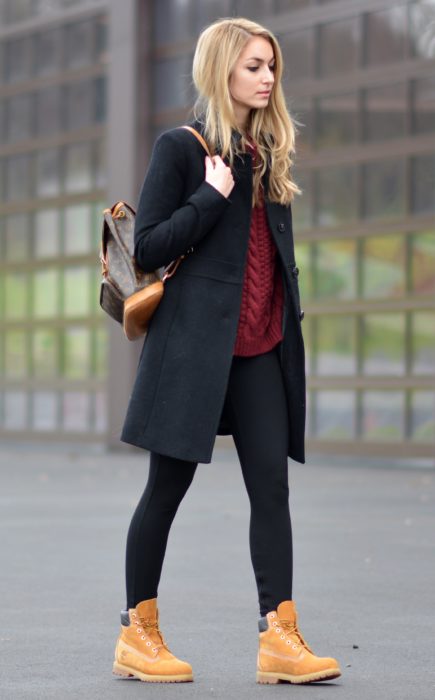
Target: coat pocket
211 268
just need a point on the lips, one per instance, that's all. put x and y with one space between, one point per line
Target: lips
264 93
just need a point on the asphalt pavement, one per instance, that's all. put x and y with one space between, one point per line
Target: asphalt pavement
364 577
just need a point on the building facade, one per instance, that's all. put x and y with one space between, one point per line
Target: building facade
86 88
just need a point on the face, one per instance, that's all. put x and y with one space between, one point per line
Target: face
252 79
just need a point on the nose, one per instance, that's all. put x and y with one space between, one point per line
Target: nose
268 76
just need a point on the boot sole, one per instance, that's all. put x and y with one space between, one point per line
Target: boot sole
271 678
127 672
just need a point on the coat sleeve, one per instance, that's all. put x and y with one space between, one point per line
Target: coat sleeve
164 229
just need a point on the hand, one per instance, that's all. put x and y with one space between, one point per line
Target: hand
219 175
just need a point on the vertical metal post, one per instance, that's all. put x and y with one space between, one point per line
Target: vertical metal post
125 75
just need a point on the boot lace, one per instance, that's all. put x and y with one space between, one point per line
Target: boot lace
148 626
291 631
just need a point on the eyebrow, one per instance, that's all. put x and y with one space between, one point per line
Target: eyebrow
255 58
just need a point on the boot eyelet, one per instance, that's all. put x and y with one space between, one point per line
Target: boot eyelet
272 614
143 637
274 623
295 646
282 636
288 641
148 644
154 649
278 630
138 630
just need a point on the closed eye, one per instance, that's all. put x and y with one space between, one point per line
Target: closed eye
254 68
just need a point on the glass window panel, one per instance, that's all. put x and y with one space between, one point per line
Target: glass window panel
284 5
17 237
15 410
80 109
171 87
385 112
383 267
423 184
19 10
309 344
101 37
339 46
386 35
16 295
46 233
335 341
335 269
383 415
101 165
78 167
423 106
77 238
2 181
101 422
302 115
19 59
422 19
79 44
254 9
18 177
302 204
49 52
173 21
48 172
423 416
101 349
49 103
45 354
298 54
46 294
305 278
337 119
384 344
423 342
77 352
44 410
76 411
423 262
19 117
100 95
15 354
337 195
335 415
76 289
206 12
3 104
384 188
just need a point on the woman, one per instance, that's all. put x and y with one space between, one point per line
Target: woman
224 351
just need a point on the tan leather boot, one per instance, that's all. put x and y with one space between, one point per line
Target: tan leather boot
283 653
141 650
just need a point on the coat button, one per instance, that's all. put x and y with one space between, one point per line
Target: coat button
301 314
295 271
281 227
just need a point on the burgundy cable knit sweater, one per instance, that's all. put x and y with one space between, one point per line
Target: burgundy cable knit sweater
260 322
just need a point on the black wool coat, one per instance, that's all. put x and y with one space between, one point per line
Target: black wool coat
177 406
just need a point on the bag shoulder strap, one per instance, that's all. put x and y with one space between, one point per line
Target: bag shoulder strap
199 137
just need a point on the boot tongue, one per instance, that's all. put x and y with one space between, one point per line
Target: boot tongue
147 610
148 615
287 611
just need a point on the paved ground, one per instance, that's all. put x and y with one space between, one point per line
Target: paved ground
364 577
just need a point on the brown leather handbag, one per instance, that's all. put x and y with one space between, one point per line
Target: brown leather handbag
127 293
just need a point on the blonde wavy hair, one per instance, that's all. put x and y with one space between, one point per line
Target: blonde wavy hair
273 129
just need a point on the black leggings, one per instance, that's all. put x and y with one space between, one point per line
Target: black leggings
257 409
